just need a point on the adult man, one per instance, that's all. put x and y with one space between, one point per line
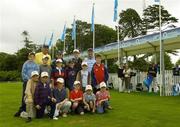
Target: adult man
77 60
28 67
39 56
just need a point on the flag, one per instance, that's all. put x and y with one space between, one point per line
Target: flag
50 41
74 30
156 0
63 34
92 19
115 10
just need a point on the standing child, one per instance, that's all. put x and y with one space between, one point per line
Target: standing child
43 98
57 72
99 73
70 75
89 99
29 95
62 102
76 97
83 75
102 97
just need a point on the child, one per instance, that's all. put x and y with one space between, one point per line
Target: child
127 78
42 97
89 99
70 75
29 95
83 75
57 72
62 102
76 97
99 73
102 97
44 67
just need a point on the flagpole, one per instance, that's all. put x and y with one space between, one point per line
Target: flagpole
75 34
93 28
162 74
118 42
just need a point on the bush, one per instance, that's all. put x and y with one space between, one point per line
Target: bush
10 76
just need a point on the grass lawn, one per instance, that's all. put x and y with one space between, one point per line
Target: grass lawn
130 110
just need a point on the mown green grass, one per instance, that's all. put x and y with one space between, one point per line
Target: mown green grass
130 110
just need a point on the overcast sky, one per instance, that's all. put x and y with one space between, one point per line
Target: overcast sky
41 17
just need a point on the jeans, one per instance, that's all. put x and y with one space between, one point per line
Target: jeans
101 108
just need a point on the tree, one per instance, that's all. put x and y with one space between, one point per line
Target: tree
151 17
131 23
178 62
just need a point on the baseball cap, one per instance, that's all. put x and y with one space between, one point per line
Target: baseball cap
45 57
90 50
84 63
44 74
59 60
88 87
76 50
102 84
33 73
77 82
60 80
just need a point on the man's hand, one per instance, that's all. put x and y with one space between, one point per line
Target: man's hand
53 100
38 107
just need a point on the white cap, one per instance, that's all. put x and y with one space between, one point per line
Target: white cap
76 82
102 84
75 50
84 63
45 56
60 80
88 87
59 60
34 73
43 74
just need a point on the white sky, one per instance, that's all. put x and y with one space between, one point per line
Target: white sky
41 17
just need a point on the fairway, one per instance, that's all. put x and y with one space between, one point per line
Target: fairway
130 110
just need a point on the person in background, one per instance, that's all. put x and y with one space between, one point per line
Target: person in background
121 75
89 99
83 75
62 101
76 97
58 72
90 59
29 95
43 97
44 67
59 55
28 67
70 73
99 74
102 99
152 71
127 78
77 60
39 56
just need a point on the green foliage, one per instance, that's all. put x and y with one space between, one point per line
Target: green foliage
151 17
139 64
178 62
10 76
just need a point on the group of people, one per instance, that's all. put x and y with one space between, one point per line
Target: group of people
55 87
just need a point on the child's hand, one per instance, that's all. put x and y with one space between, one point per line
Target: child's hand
38 107
53 100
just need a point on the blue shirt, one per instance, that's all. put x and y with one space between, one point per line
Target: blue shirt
90 63
59 95
27 68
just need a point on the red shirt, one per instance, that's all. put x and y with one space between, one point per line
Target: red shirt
75 95
102 95
99 73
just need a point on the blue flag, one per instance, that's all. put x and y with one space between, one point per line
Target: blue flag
50 41
115 10
74 30
63 34
92 19
156 0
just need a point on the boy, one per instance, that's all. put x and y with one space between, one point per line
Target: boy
29 95
62 102
102 97
44 67
70 75
89 99
57 72
83 75
76 97
42 97
99 73
77 60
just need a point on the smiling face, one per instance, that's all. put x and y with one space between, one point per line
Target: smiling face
77 86
103 89
44 79
60 85
35 78
59 64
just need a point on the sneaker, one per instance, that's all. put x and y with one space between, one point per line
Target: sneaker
55 118
64 115
28 120
82 113
17 114
129 91
109 107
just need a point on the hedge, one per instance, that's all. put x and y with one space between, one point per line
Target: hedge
10 76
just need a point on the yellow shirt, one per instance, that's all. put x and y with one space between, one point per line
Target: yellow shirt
39 56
